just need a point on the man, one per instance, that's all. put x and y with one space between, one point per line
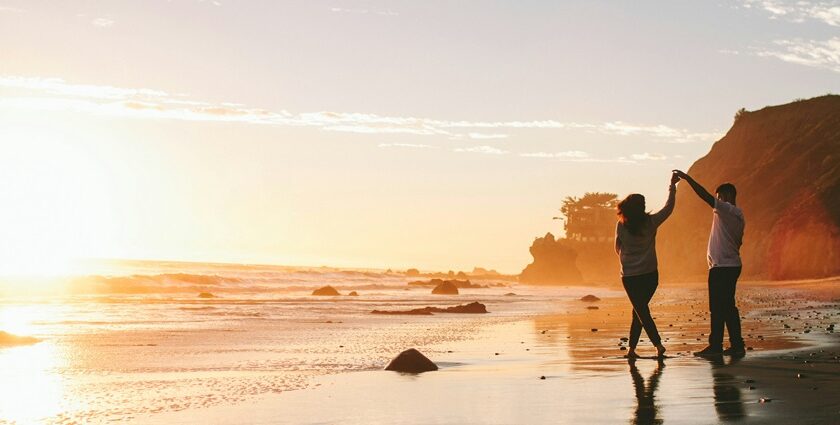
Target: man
724 266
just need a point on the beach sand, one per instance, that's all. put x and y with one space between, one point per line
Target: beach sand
567 367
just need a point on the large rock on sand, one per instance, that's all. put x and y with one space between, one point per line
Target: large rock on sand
445 288
326 290
411 361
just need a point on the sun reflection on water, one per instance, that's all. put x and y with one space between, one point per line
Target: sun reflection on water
30 388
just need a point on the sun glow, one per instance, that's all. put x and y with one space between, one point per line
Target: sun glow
55 201
31 391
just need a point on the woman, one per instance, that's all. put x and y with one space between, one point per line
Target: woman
635 244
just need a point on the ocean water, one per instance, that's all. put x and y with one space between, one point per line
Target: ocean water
131 339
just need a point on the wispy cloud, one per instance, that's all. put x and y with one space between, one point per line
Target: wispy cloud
566 154
488 150
55 94
57 86
10 9
406 145
799 10
576 156
816 54
364 11
648 156
102 22
487 136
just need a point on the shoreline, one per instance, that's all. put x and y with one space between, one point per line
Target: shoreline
496 376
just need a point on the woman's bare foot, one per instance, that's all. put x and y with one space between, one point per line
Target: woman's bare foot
631 354
660 351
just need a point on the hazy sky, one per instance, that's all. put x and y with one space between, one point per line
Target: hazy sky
438 135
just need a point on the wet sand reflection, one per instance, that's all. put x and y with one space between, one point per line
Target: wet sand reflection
646 410
728 403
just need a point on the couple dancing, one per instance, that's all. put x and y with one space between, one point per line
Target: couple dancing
635 244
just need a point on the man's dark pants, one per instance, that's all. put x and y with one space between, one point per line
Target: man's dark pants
722 281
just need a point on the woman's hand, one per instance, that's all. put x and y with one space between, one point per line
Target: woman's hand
675 177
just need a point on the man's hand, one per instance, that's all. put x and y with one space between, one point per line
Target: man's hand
698 189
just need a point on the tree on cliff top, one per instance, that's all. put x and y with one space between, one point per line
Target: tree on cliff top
590 218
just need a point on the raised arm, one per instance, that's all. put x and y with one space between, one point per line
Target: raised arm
698 189
660 216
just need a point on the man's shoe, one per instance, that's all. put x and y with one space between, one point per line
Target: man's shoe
709 352
735 351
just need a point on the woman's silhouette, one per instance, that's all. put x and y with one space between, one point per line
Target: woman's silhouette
635 244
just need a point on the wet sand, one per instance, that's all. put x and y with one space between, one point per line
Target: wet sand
567 367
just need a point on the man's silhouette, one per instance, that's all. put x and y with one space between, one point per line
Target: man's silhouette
724 266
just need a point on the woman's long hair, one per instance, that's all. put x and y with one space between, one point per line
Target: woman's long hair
631 213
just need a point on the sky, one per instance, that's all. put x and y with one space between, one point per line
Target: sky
385 134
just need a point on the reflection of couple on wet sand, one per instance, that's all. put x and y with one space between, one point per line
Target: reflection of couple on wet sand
635 244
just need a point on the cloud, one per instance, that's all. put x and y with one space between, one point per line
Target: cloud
799 11
575 156
648 156
566 154
815 54
489 150
10 9
406 145
102 22
51 93
364 11
487 136
57 86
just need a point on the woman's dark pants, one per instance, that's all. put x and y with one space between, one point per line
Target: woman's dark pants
640 290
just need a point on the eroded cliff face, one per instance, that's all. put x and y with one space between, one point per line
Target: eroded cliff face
785 162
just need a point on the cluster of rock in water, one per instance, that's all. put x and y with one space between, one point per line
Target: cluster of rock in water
441 287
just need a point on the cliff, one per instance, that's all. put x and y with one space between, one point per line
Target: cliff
785 163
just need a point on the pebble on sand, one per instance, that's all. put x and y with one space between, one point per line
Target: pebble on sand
590 298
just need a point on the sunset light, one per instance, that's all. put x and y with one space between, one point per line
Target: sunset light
411 212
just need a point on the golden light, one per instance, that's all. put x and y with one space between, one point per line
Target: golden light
55 200
31 390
